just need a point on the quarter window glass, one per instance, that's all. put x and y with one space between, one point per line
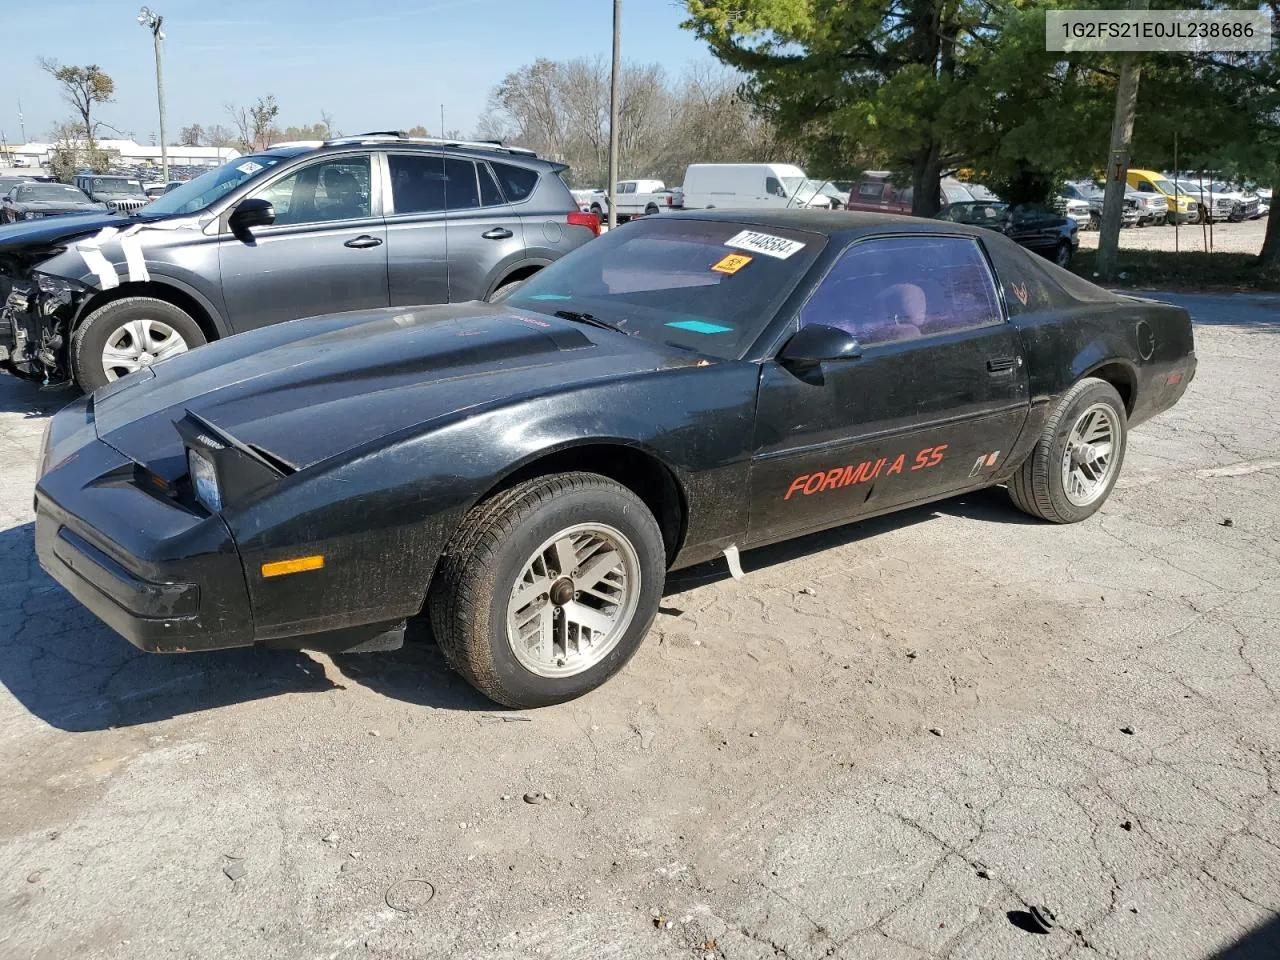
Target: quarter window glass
490 195
417 182
906 287
322 192
517 182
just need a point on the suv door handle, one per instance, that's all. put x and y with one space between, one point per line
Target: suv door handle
498 233
999 366
363 242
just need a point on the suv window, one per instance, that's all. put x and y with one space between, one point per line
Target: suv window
417 182
517 182
626 188
321 192
490 195
871 191
773 187
901 288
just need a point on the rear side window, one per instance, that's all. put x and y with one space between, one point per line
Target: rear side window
870 191
517 182
490 195
902 288
461 190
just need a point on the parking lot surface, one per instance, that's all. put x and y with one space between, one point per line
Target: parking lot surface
888 741
1245 237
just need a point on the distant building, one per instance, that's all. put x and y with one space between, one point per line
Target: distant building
133 154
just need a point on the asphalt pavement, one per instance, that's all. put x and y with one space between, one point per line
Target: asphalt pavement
889 741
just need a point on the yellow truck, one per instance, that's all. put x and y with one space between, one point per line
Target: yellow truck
1182 208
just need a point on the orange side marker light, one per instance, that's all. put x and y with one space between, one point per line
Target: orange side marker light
297 565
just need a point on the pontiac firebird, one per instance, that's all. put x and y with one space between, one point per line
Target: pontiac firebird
526 472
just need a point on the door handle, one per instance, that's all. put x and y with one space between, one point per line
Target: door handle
999 366
363 242
498 233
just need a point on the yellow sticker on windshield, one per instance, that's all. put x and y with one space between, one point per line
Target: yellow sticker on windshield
732 263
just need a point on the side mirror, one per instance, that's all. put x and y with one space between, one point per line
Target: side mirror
254 212
817 343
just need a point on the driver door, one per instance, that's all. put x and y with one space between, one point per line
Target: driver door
325 253
930 407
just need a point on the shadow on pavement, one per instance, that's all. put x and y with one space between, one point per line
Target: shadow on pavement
1260 310
74 673
1260 943
990 505
26 397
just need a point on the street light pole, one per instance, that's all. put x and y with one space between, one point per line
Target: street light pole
153 21
613 114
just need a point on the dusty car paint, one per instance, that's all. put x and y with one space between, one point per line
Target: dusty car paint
383 429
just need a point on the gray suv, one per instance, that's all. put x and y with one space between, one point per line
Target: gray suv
297 230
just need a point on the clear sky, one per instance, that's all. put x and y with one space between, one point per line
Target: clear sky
374 65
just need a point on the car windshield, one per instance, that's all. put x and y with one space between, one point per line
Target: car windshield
1163 185
793 184
8 183
982 214
52 191
117 188
195 195
705 286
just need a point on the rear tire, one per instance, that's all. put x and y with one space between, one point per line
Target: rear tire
1062 255
650 210
1043 484
111 322
597 209
520 650
507 288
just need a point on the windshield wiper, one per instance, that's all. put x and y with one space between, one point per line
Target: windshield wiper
591 320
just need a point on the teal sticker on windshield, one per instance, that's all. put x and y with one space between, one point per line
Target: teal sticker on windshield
699 326
550 296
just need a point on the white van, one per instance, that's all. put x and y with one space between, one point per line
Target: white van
738 186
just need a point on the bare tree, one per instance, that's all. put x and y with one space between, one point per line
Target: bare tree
219 136
192 136
561 109
83 88
256 124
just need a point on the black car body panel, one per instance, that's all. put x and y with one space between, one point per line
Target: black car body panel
381 430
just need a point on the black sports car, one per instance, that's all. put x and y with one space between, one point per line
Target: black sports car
527 471
34 201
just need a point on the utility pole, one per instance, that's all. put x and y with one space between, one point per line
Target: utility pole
613 114
153 21
1118 159
22 124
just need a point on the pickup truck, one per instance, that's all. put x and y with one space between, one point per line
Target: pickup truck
636 198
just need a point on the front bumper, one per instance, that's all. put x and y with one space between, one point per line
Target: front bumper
163 577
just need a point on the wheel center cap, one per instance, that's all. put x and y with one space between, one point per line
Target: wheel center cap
562 591
146 359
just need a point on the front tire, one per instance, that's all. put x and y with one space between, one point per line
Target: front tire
548 588
1062 255
127 335
1074 465
597 209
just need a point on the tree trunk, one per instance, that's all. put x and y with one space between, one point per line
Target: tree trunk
1270 256
1118 160
926 182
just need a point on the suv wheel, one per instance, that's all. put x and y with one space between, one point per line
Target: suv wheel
127 335
597 209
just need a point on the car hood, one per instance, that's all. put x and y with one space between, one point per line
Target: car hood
55 231
311 389
44 206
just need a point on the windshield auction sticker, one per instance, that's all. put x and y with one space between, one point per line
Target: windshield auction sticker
731 264
1193 31
765 243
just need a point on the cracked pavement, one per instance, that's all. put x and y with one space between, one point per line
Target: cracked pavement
761 782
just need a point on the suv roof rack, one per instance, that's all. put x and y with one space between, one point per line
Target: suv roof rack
399 136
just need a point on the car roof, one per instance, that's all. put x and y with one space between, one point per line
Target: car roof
845 223
391 141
